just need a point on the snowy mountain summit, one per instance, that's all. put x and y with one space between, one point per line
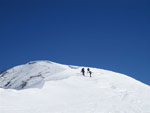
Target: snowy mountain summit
30 75
48 87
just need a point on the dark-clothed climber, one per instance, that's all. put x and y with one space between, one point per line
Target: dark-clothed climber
83 71
90 72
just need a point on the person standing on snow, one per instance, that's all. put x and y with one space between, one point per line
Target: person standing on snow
90 72
83 71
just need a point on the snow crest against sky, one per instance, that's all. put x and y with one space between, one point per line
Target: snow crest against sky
113 35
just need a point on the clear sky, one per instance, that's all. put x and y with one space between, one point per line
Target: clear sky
108 34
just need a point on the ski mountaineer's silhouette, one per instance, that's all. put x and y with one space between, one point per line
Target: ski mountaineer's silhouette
83 71
90 72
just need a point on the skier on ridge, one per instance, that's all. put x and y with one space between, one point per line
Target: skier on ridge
83 71
90 72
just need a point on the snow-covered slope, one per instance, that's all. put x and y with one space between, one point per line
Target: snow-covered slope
29 75
55 88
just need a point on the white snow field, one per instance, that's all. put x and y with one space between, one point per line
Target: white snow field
48 87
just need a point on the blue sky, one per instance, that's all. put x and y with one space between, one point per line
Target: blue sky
113 35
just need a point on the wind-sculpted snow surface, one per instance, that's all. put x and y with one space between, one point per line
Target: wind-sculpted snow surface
29 75
67 91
